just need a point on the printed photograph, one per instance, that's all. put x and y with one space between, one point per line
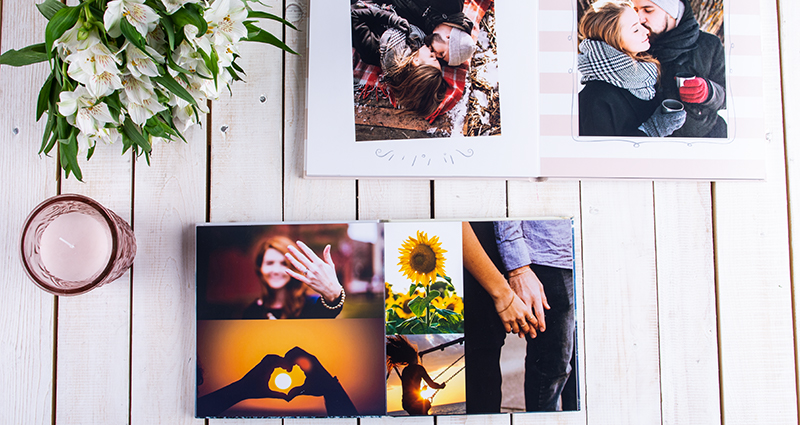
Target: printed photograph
424 69
425 375
521 327
269 368
298 271
424 283
651 68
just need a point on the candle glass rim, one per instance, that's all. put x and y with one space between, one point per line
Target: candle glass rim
109 263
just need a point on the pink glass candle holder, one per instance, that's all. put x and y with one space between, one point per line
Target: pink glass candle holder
72 244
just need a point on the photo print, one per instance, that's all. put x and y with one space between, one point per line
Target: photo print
652 68
521 327
297 271
304 367
424 69
426 375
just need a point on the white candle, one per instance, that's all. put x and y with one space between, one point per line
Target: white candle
76 246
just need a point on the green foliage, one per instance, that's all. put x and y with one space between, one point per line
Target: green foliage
87 17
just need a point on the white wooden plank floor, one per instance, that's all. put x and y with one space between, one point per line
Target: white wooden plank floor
685 289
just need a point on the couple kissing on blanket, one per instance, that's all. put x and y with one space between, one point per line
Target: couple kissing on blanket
420 47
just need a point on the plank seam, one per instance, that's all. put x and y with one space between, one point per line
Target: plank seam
714 234
55 359
658 301
130 293
788 180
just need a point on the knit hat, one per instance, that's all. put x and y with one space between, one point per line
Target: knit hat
673 8
461 46
393 50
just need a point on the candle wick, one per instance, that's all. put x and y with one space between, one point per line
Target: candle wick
68 244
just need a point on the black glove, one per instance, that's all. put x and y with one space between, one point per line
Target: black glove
662 124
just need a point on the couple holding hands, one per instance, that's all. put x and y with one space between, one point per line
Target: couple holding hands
633 55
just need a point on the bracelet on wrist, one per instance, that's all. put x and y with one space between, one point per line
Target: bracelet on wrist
338 305
509 304
519 271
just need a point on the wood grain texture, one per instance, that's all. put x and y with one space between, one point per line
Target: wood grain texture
306 199
788 13
26 324
620 303
247 134
94 328
170 198
754 293
467 199
687 320
394 199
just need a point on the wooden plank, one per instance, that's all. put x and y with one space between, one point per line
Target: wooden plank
246 135
394 199
467 199
686 303
754 294
170 198
555 199
620 303
789 12
306 199
94 328
26 324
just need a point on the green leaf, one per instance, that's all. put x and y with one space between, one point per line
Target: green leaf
170 84
132 34
43 101
63 20
169 29
258 35
69 155
129 129
49 137
190 14
34 53
48 8
412 289
257 14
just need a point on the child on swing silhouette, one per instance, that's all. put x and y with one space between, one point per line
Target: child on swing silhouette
399 351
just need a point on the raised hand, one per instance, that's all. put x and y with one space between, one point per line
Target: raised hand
318 274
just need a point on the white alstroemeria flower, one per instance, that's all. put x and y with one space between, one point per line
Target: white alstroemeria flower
203 42
96 59
173 5
142 111
226 54
191 60
99 85
183 117
106 135
91 119
137 89
225 18
69 43
140 63
71 101
141 16
157 40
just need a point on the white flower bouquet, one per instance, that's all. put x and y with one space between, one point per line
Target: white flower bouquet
135 71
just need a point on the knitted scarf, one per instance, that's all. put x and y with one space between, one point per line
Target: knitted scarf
597 61
669 46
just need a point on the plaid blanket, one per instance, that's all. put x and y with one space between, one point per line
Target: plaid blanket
367 78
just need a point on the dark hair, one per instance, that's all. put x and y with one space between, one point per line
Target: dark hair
602 22
400 351
419 88
295 290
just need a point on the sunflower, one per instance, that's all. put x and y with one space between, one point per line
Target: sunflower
421 259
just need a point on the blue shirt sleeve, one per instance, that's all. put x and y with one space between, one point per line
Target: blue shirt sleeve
512 246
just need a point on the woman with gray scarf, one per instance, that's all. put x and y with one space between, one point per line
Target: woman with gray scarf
619 97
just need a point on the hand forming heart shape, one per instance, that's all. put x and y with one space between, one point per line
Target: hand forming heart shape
297 373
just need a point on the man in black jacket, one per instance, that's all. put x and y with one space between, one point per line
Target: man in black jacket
697 58
445 22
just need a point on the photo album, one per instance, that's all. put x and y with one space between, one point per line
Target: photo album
656 89
357 319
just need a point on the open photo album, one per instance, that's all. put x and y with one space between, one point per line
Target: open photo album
660 89
355 319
